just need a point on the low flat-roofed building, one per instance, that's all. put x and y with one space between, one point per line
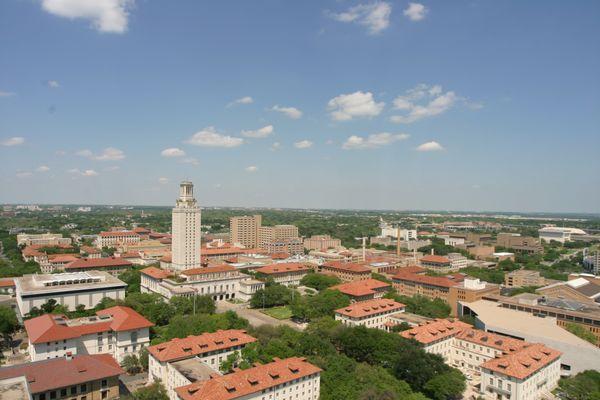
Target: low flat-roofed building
577 354
470 289
291 378
118 331
578 289
75 377
14 388
291 246
559 234
370 313
288 274
346 271
68 289
524 277
248 287
520 244
362 290
210 349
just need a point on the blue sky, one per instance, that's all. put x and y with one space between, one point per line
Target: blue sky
462 105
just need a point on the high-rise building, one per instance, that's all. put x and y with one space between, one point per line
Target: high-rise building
186 229
245 230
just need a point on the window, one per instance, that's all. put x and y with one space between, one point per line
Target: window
83 388
104 382
63 392
53 394
73 389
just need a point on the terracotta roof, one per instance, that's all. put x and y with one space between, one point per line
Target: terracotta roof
102 262
361 288
435 330
280 256
435 259
347 267
89 250
52 327
413 269
499 342
191 346
7 283
125 319
166 258
243 383
425 279
215 251
156 273
524 362
283 268
31 251
118 234
60 372
63 258
370 307
139 229
208 270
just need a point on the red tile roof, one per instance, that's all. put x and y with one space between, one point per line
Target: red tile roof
7 283
346 267
60 372
243 383
283 268
156 273
435 330
103 262
370 307
361 288
208 270
63 258
191 346
139 229
52 327
216 251
118 234
280 256
524 362
499 342
425 279
435 259
166 258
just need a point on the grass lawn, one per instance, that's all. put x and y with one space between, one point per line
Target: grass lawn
282 312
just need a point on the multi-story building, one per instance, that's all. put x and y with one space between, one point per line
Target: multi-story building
468 291
68 289
520 244
579 289
118 331
167 361
346 271
562 235
291 378
364 289
244 230
510 368
444 264
82 377
370 313
221 282
42 239
185 248
524 277
116 238
288 246
56 262
321 242
113 265
288 274
268 234
591 261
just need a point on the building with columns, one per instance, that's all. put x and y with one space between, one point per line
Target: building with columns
185 250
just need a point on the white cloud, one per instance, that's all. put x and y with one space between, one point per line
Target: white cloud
172 152
252 168
110 154
6 94
43 168
415 11
87 172
259 133
209 137
430 146
53 84
423 101
112 168
358 104
241 100
374 16
303 144
163 180
60 153
372 141
291 112
24 174
275 146
106 15
13 141
84 153
190 160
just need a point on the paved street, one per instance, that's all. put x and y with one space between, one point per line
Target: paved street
255 317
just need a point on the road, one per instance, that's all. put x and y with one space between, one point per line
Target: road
255 317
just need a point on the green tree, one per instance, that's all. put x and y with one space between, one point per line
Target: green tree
583 386
322 304
132 278
229 363
144 358
447 386
422 305
131 364
319 281
270 296
185 305
155 391
9 323
581 332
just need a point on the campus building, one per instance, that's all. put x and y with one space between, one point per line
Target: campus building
116 238
117 331
362 290
185 248
370 313
42 239
287 274
321 243
346 271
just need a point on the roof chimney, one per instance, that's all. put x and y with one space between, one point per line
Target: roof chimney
69 356
432 252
